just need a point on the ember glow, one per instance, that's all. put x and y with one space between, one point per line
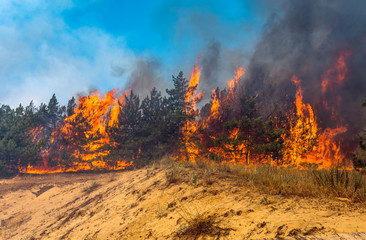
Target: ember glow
77 167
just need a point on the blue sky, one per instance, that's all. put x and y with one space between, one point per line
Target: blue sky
69 47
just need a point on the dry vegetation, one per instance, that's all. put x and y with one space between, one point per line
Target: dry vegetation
336 182
171 200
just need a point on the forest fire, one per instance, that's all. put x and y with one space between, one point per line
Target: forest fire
234 149
87 128
83 141
306 144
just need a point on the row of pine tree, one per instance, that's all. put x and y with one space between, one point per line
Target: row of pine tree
146 130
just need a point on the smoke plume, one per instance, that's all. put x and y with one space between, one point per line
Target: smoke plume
323 43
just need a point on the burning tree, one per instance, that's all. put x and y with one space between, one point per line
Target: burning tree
236 137
189 150
305 143
80 141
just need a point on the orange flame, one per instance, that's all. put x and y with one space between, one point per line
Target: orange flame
190 128
234 150
333 79
88 126
192 97
94 109
215 105
36 134
306 144
77 167
233 83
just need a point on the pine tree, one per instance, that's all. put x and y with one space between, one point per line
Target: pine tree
17 145
124 136
54 113
153 125
178 93
71 106
176 115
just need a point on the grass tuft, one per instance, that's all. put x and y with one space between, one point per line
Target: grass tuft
160 212
172 175
92 187
195 224
342 183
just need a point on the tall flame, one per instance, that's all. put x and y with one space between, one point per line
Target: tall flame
217 101
215 105
306 144
233 83
192 97
93 109
190 128
234 150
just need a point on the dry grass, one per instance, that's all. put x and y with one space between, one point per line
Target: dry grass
161 212
172 175
274 180
343 183
335 182
350 184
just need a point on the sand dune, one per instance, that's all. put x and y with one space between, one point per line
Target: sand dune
142 204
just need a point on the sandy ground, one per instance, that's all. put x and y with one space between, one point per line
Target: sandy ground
140 204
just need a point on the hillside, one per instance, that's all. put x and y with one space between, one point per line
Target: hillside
179 202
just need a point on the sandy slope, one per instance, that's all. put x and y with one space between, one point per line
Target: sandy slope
140 204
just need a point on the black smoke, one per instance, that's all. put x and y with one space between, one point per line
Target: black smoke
305 39
145 75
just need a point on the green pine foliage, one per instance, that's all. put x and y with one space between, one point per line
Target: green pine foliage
125 135
17 147
150 129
